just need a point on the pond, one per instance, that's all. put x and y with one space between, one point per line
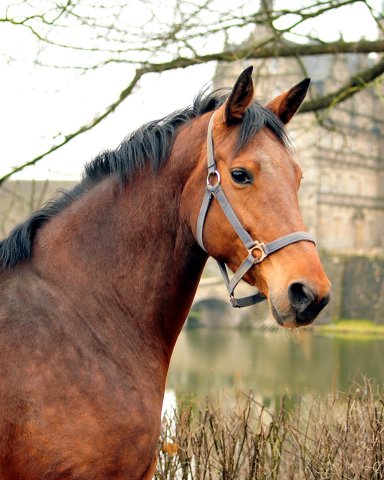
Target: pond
271 363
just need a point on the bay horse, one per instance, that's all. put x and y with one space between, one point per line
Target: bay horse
96 285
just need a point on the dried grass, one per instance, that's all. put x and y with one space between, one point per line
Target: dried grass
340 437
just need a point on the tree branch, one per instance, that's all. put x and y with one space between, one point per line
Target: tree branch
124 94
357 83
155 40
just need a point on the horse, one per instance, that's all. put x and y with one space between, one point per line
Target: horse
96 285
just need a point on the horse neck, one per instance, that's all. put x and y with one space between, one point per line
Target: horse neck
126 255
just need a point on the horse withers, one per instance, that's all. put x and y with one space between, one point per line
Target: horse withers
96 286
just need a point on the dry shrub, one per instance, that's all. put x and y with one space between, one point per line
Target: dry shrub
339 437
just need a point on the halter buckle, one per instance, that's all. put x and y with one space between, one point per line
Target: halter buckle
232 300
258 246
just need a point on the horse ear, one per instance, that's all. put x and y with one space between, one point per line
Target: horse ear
287 104
240 98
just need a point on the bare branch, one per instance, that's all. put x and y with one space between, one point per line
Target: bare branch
357 83
155 44
124 94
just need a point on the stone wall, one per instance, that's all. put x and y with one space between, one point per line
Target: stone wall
357 287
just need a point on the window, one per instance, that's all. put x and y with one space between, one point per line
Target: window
273 65
338 186
351 186
324 183
326 139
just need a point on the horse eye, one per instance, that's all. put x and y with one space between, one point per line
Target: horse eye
241 176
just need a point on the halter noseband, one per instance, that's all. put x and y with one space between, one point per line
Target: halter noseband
250 244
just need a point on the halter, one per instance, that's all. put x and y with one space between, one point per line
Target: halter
250 244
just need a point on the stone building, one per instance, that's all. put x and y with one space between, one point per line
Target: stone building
341 149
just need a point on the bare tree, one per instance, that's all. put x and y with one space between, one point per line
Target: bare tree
152 36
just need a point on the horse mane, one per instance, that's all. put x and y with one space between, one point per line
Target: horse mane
150 143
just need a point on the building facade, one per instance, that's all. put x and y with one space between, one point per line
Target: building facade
341 150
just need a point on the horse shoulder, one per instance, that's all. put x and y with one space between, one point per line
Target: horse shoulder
66 401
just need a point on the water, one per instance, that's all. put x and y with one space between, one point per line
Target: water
272 364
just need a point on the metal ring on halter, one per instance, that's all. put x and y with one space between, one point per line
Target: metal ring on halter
216 172
258 246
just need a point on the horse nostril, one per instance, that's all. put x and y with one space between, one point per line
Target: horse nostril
300 296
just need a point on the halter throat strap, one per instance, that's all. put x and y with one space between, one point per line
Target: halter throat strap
215 191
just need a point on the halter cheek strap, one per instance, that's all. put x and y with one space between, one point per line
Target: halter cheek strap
250 244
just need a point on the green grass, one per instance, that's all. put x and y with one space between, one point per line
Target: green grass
352 327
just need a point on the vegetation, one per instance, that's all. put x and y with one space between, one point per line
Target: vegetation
340 437
352 327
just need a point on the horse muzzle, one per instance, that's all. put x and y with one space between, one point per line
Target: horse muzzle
302 304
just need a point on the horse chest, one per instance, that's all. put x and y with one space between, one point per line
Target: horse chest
74 414
79 435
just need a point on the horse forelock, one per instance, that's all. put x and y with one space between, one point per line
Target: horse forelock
151 144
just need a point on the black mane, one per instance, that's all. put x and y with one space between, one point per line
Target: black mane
150 143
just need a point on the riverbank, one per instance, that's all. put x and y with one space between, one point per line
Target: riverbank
354 327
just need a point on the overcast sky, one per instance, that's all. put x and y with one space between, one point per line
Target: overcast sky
37 104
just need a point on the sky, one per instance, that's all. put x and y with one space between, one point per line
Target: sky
38 104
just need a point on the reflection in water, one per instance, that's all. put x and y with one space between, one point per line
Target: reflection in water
270 363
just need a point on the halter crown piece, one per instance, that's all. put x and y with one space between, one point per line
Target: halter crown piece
250 244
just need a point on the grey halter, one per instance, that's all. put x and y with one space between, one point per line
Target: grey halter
250 244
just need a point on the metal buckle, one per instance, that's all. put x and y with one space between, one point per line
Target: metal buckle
218 178
258 246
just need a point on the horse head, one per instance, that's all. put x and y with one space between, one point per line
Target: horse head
260 180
